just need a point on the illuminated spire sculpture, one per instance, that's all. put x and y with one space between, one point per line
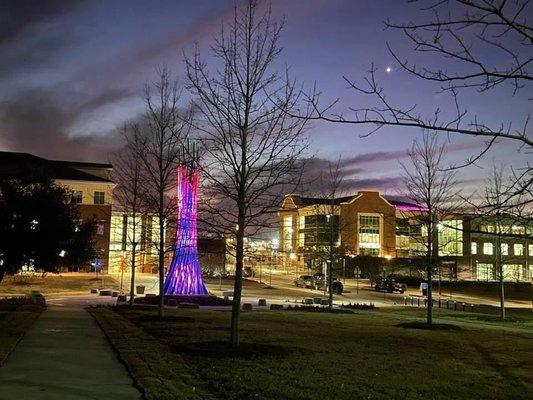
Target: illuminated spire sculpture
184 275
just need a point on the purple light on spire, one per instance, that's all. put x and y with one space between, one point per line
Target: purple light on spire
184 275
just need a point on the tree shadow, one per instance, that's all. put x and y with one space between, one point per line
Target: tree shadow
425 326
222 349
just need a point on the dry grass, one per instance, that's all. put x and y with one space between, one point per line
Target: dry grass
365 355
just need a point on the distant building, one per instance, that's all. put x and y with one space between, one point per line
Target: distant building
90 184
372 224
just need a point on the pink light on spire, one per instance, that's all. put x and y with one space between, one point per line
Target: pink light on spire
184 275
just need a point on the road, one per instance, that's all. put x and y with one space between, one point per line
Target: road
279 286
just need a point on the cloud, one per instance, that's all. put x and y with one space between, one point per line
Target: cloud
20 16
38 121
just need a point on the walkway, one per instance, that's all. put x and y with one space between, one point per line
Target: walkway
65 356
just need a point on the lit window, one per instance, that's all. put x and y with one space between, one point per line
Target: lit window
76 197
473 248
99 197
513 272
487 249
531 249
484 272
287 233
100 228
302 222
518 249
369 234
450 235
517 230
505 249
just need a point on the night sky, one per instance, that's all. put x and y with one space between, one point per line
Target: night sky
71 73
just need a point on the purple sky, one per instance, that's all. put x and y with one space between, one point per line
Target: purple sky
71 73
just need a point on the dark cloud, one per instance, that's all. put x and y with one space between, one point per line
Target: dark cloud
31 34
385 184
38 121
19 16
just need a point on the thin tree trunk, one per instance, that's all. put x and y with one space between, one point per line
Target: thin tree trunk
132 282
499 268
161 266
430 273
237 290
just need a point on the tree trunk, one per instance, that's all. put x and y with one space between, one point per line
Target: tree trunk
430 295
237 290
330 282
132 283
429 272
2 274
161 267
499 268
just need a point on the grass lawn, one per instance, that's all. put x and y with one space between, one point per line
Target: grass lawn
301 355
15 320
52 284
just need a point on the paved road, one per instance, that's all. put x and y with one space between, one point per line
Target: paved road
65 356
283 288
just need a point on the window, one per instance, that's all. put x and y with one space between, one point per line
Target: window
451 238
100 228
302 221
487 249
301 239
518 249
484 272
77 197
117 237
369 234
530 250
505 249
287 233
513 272
402 242
99 197
473 247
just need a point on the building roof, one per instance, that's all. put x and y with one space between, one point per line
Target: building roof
83 164
399 204
25 165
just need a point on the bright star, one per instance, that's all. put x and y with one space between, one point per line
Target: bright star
388 70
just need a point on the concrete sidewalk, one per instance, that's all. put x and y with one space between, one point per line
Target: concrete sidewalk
65 356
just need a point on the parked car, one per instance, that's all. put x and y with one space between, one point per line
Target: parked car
389 285
321 284
306 281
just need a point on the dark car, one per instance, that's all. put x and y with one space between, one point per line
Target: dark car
306 281
389 285
321 284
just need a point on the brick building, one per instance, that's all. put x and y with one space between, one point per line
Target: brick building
372 224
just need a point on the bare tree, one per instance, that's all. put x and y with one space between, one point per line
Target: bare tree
495 211
329 251
431 187
161 135
251 144
130 193
454 40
